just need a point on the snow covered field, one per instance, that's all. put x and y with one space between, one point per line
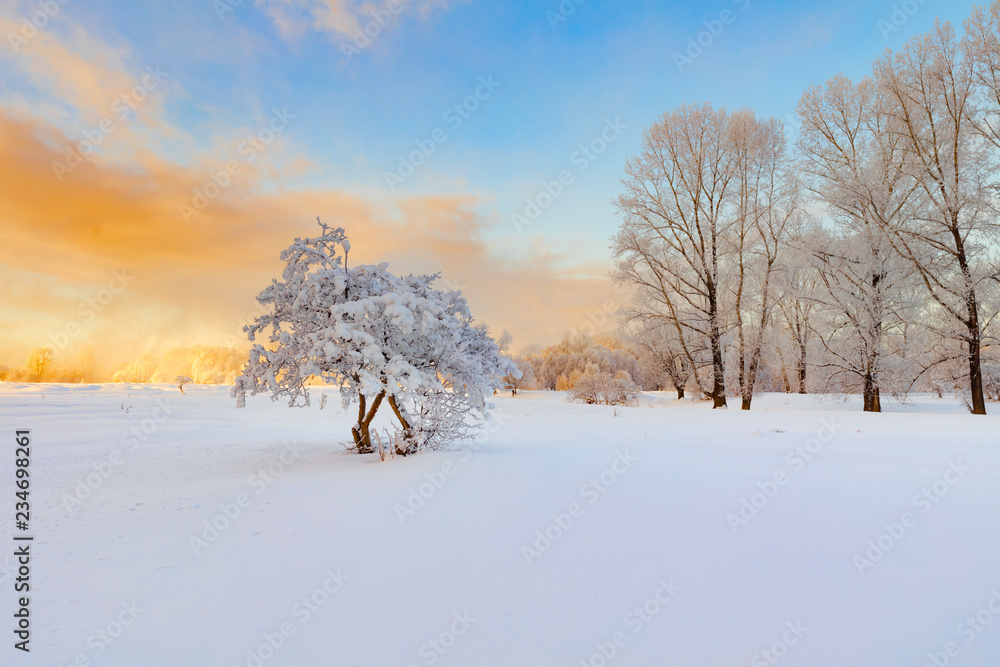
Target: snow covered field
666 534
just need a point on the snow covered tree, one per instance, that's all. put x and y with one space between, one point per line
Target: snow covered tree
939 120
661 355
865 291
597 387
672 216
705 212
853 160
797 310
376 336
524 379
767 213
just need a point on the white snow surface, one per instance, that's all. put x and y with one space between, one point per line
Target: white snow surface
451 584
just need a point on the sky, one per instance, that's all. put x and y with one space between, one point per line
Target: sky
155 158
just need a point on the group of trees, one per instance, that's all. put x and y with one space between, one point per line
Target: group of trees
607 369
201 364
866 252
40 366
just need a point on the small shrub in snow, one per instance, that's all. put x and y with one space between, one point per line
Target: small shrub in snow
991 381
601 388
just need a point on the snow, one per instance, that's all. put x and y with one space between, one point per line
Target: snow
450 582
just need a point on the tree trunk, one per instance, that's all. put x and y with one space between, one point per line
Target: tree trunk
746 403
405 423
872 400
680 393
802 370
718 368
976 371
361 430
719 378
972 326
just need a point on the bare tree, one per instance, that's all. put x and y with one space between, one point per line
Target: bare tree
797 308
865 333
853 157
657 340
767 209
39 362
931 84
703 215
673 213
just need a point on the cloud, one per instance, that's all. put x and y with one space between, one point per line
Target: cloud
195 283
340 19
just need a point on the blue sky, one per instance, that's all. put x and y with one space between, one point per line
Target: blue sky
561 81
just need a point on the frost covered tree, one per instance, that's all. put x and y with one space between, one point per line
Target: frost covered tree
597 387
854 163
379 338
935 102
661 354
767 213
703 217
523 378
672 216
797 311
865 292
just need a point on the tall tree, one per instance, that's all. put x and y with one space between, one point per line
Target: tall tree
674 210
931 84
854 160
767 209
797 308
703 215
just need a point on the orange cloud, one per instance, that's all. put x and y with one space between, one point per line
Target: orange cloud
195 283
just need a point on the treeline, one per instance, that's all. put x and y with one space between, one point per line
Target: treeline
612 369
199 364
861 259
40 367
